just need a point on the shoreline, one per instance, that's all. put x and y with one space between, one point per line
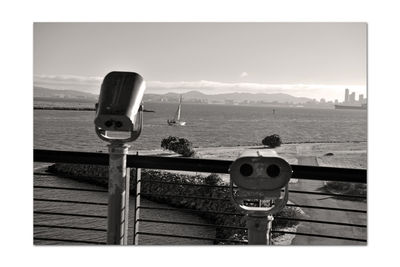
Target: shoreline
351 154
73 108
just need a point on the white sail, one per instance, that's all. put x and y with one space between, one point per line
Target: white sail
177 118
178 111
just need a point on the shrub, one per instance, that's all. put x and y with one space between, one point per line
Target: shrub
272 141
213 179
166 142
178 145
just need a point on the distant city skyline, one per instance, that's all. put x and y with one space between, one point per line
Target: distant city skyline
350 98
315 60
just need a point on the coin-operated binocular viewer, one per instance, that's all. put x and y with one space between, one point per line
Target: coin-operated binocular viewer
262 190
119 120
119 109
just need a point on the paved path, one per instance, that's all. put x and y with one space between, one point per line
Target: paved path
317 214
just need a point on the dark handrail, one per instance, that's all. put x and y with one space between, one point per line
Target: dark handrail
196 165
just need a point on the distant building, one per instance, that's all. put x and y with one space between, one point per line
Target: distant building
346 95
336 101
361 98
352 97
322 100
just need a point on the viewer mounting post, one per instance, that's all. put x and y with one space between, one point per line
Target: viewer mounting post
120 112
260 178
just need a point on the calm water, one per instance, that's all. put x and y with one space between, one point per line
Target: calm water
207 125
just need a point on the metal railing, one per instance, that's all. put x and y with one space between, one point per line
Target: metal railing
194 165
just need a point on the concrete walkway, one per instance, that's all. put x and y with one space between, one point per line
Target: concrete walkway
325 215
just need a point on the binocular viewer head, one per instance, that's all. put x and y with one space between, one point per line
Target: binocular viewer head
260 173
260 176
119 101
119 108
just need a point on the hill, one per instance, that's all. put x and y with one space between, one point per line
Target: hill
195 96
40 92
191 96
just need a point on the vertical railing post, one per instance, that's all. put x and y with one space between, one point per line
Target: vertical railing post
127 195
118 195
138 178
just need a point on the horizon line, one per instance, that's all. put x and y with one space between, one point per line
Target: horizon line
90 84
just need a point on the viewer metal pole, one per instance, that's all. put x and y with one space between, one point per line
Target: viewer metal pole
259 229
118 195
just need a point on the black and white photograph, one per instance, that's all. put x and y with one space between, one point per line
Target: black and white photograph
200 133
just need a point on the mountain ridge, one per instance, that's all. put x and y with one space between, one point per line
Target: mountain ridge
53 93
190 96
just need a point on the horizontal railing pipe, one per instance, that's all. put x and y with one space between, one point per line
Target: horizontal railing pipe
321 222
69 201
192 224
69 240
196 165
192 237
69 188
192 211
325 208
322 236
69 227
70 214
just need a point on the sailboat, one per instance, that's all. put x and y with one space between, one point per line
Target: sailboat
176 121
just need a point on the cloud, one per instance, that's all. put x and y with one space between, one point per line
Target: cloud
244 74
92 84
71 82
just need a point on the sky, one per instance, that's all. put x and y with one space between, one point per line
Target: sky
316 60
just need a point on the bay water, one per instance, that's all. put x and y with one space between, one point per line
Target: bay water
206 126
